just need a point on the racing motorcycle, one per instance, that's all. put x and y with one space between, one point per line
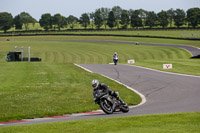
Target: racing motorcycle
115 59
110 104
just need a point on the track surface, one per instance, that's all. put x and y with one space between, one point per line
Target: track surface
164 92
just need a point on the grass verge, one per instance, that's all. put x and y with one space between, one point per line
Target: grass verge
53 86
165 123
181 33
108 38
184 66
33 90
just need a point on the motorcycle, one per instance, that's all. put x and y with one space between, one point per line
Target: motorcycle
115 60
110 104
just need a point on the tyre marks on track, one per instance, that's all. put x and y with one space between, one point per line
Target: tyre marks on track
118 75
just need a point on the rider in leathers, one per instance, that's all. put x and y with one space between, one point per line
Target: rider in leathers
114 56
104 88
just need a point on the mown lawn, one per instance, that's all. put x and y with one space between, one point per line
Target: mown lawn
181 33
160 33
184 66
32 90
55 86
107 38
53 50
165 123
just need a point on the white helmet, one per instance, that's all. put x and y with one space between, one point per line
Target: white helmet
95 83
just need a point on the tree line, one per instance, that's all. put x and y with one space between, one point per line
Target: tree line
114 17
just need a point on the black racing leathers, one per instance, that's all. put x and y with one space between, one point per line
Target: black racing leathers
105 89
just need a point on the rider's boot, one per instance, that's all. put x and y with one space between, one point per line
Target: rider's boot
122 101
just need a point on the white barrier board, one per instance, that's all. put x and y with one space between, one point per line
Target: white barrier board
167 66
131 61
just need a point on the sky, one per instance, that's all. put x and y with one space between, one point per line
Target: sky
77 7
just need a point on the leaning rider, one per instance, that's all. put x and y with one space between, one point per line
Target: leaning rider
104 88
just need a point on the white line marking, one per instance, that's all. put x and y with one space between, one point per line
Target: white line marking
92 112
83 68
163 71
37 119
187 51
137 92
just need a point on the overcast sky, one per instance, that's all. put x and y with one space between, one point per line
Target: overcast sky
76 7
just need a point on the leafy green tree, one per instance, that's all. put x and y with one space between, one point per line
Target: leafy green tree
98 21
26 19
142 15
59 21
193 16
163 19
136 21
117 10
17 22
125 19
84 20
6 21
179 17
64 21
111 19
92 19
72 21
170 14
46 21
151 19
104 15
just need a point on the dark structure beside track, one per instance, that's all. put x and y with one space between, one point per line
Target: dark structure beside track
17 56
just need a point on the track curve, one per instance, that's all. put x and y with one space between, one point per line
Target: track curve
164 92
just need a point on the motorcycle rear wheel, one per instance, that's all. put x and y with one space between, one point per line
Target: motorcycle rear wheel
124 108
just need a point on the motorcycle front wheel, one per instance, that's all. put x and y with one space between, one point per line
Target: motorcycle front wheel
106 106
115 62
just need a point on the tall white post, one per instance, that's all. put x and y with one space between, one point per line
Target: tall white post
15 48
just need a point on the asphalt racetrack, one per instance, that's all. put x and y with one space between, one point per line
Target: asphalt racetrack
164 92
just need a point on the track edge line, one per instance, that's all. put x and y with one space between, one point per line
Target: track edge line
137 92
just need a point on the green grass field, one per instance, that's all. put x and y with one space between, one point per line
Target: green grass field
180 33
165 123
33 90
83 52
52 87
162 33
106 38
153 33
